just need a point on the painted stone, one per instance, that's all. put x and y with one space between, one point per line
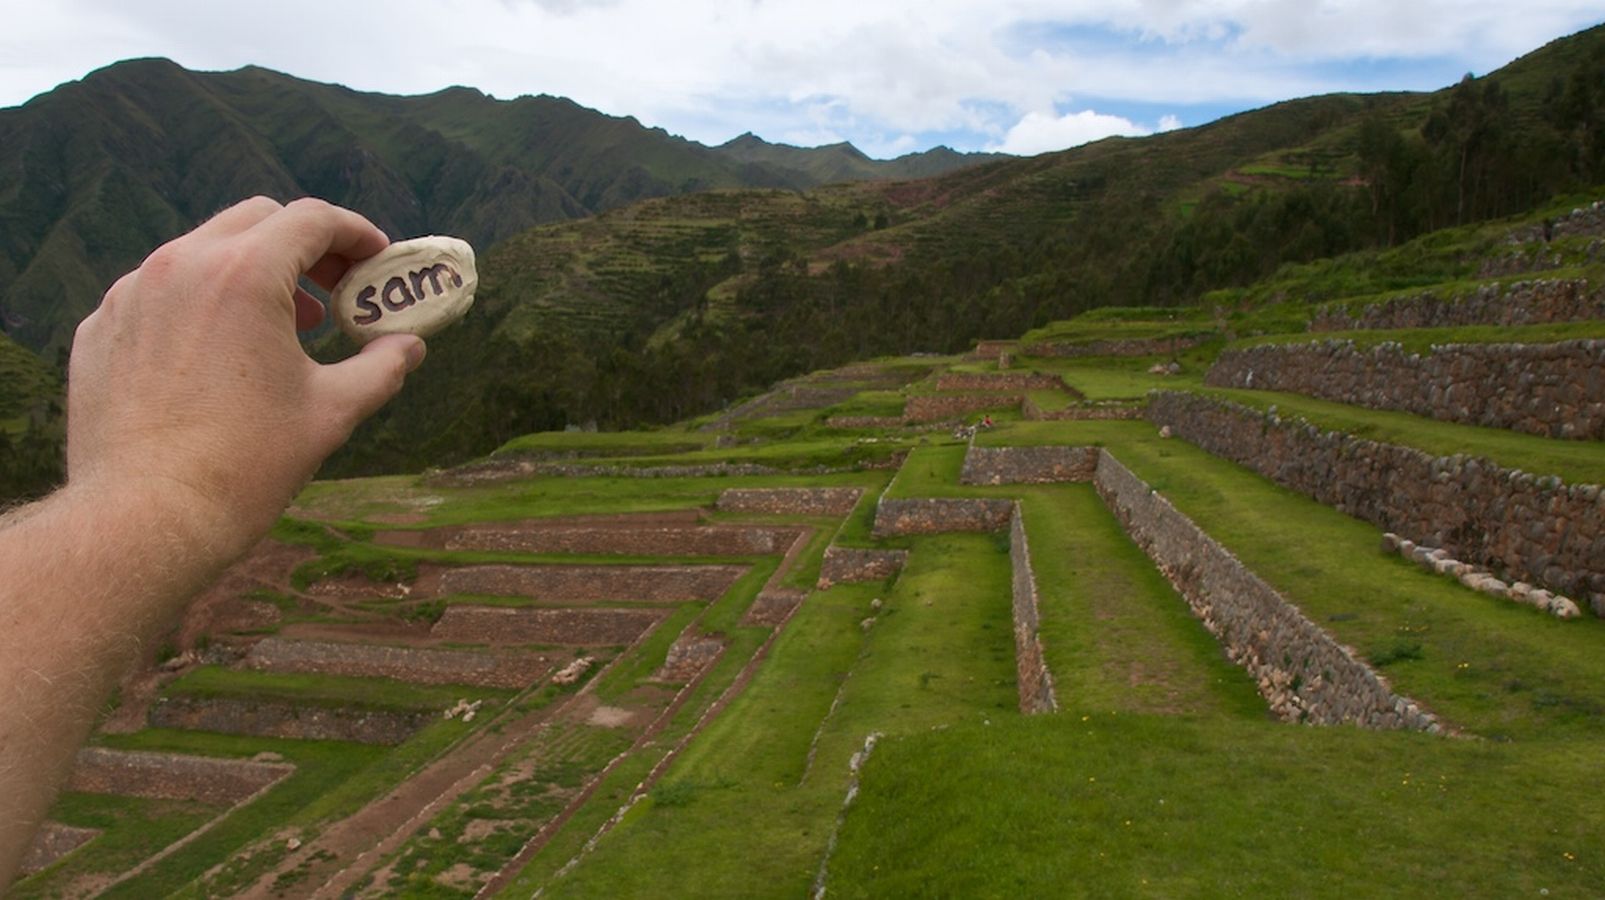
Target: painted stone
417 287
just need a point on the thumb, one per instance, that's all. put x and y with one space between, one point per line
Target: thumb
354 388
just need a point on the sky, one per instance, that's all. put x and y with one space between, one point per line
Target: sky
1018 76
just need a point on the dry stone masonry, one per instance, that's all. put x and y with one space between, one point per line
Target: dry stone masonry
940 515
1031 668
419 665
838 501
1536 529
941 407
1117 347
1519 303
1028 465
1555 390
467 624
53 841
1438 560
707 540
1301 671
1080 412
851 564
594 584
172 776
1012 381
302 722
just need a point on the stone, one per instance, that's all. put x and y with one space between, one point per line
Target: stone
417 287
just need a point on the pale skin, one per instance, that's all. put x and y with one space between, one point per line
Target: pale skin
194 416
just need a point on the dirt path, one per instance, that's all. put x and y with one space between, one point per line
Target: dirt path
347 849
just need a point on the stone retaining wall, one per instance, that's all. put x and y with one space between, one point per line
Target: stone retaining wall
171 776
51 842
563 627
261 718
419 665
1525 527
1555 390
939 407
1304 674
499 469
1582 221
864 422
992 349
1012 381
594 584
706 540
1117 347
829 501
1077 412
1028 465
850 564
941 515
1520 303
1031 668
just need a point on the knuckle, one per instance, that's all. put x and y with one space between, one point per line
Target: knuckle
260 203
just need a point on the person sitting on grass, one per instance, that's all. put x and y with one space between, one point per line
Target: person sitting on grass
193 417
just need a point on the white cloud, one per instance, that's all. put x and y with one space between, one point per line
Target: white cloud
1168 122
953 70
1040 132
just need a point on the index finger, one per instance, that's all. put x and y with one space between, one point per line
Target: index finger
311 230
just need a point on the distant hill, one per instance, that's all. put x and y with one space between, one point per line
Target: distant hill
836 163
679 305
96 173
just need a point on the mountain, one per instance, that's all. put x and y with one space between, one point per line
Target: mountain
835 163
96 173
680 305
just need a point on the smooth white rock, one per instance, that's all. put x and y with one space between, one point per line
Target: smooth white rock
417 287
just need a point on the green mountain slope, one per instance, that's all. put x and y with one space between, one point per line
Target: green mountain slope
844 162
683 304
96 173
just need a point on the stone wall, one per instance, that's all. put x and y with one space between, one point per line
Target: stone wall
705 540
419 665
1519 303
850 564
864 422
499 469
1031 668
941 515
1080 412
1525 527
594 584
991 349
263 718
1028 465
1303 673
1555 390
829 501
51 842
1117 347
1582 221
940 407
171 776
1012 381
465 624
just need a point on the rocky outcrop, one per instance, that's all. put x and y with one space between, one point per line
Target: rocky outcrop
1555 390
1526 527
1028 465
1303 673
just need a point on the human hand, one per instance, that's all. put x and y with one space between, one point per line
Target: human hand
188 385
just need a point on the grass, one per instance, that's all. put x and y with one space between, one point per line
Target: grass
132 830
1148 806
1423 340
1492 667
756 819
1115 634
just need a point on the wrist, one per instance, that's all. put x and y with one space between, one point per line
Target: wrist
195 533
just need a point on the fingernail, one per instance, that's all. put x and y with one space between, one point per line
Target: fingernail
415 355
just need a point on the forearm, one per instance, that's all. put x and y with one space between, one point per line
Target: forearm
90 578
